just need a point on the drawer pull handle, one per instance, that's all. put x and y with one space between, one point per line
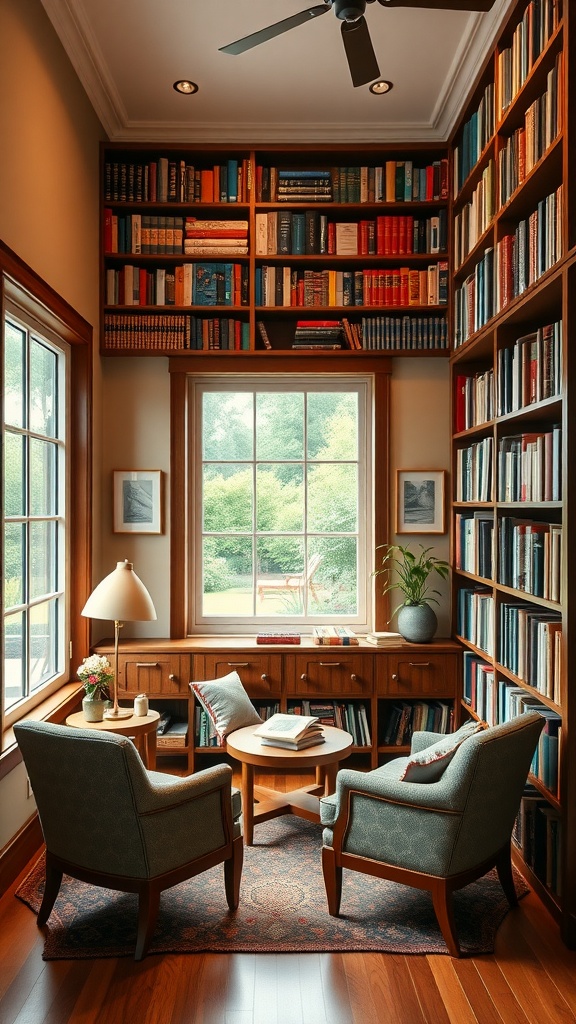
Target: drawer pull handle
172 677
264 677
146 664
419 664
394 676
238 664
330 664
304 677
353 677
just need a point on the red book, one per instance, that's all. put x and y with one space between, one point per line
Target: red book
278 638
394 234
404 286
460 403
402 235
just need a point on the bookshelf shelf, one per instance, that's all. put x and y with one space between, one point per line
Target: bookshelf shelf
514 622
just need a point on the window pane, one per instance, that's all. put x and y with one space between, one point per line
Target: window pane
332 498
43 366
332 425
14 375
279 498
227 579
227 498
43 643
14 645
333 589
42 477
281 583
280 425
227 425
14 567
14 489
42 559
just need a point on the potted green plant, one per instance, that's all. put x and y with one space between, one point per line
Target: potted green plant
96 674
410 573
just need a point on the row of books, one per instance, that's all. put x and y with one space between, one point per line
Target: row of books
515 700
475 617
474 299
474 471
204 732
529 466
532 249
530 644
479 687
474 542
473 399
142 234
514 63
530 555
402 718
394 181
191 284
219 333
310 233
473 219
334 636
167 180
537 833
530 370
147 331
351 716
404 334
393 286
475 135
527 145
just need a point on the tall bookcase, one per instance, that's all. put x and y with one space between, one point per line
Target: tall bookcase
513 386
226 250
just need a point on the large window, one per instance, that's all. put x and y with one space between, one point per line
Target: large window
281 471
34 512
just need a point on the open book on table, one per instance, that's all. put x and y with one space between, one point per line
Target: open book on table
291 731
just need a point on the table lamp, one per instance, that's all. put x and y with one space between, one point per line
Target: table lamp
121 596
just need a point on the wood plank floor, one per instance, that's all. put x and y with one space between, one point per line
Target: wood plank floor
530 979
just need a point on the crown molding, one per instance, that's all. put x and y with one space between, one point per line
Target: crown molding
257 133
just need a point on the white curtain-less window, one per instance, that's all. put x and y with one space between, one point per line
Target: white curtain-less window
34 500
281 482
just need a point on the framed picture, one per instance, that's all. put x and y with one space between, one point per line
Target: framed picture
137 501
420 501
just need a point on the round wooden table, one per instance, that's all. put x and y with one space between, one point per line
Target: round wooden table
141 729
304 803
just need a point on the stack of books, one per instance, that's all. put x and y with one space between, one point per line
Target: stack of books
215 237
304 186
293 732
381 639
283 637
318 334
334 636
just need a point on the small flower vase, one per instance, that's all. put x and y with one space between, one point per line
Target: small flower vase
93 710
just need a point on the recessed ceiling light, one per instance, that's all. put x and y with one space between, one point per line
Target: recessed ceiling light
379 88
185 87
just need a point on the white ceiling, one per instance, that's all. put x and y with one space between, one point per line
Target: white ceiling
294 88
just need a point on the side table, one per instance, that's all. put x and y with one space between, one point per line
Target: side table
141 729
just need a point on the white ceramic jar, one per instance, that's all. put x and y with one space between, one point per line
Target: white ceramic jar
141 705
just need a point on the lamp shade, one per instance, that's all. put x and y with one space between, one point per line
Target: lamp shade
121 596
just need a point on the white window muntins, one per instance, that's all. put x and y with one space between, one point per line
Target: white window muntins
281 493
34 498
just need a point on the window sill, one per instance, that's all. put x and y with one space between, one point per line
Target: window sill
55 708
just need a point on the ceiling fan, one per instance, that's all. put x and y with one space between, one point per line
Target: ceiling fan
355 35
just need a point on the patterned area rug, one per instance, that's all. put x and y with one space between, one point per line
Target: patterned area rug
282 909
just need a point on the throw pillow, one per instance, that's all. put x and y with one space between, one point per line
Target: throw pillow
227 703
428 765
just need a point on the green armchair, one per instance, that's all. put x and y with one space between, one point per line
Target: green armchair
437 835
108 821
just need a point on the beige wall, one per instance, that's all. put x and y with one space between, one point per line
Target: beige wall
48 207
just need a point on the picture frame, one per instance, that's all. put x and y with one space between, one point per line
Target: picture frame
137 501
420 501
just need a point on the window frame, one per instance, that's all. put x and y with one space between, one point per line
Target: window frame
38 304
378 366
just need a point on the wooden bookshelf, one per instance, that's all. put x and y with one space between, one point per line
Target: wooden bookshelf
173 282
514 289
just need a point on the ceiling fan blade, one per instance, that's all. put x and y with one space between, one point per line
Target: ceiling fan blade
360 52
255 38
442 5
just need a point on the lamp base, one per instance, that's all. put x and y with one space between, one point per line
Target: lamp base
120 713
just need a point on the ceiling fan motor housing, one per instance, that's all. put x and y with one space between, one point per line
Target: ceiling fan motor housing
349 10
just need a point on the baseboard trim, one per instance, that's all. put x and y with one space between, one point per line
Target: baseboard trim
19 851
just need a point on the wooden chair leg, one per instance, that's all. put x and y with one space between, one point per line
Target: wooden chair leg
51 890
442 899
504 869
148 905
233 873
332 880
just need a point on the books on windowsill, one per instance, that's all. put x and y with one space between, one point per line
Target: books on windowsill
278 638
294 732
334 636
380 639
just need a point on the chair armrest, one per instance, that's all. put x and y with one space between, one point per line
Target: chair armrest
443 795
423 739
162 792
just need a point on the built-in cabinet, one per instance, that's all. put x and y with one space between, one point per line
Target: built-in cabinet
404 679
514 291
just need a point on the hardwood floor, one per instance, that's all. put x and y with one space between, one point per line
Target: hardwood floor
531 978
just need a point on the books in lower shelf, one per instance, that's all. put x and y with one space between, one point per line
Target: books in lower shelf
175 735
291 731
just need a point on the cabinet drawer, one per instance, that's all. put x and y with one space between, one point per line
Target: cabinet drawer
151 673
417 675
261 674
334 673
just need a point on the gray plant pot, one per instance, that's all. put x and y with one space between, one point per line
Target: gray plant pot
417 623
93 710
